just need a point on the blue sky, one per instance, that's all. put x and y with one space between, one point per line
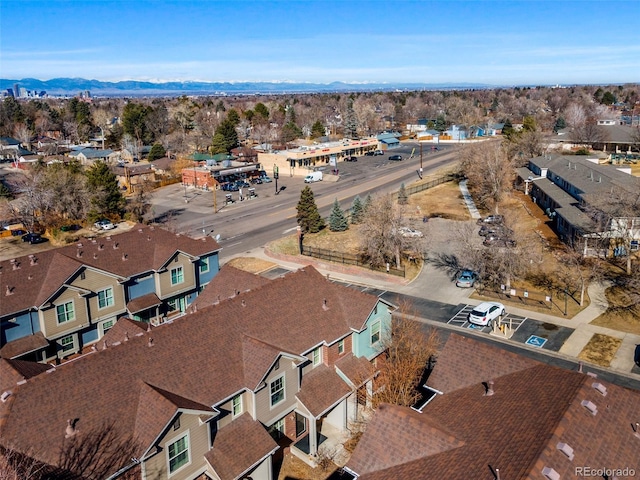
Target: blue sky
492 42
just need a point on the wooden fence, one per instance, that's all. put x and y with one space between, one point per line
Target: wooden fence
348 259
430 184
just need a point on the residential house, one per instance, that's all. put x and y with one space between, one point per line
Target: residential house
135 177
135 154
87 155
214 394
496 414
565 185
11 149
57 302
455 132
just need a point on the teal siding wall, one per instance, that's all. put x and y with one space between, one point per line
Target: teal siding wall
362 346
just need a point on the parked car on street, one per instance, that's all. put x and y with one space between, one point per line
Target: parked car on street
395 158
351 159
104 224
485 313
491 219
378 152
33 238
466 279
369 154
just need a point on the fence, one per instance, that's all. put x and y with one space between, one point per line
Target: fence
430 184
348 259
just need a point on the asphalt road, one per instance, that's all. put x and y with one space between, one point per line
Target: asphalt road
243 226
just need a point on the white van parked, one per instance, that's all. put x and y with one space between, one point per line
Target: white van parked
313 177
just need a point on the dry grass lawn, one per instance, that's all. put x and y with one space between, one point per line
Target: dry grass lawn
600 350
443 201
251 264
295 469
621 319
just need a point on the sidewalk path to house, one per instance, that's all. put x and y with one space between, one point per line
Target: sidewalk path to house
583 330
468 200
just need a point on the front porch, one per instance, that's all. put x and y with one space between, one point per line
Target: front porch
329 444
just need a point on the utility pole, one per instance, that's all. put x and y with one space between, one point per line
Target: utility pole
275 176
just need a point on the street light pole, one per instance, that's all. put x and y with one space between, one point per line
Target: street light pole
275 176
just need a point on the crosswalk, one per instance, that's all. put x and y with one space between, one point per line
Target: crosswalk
460 319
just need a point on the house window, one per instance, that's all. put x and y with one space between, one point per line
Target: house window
204 265
277 390
301 424
317 356
375 333
105 298
65 312
176 424
67 344
277 429
107 324
177 275
340 347
236 405
178 453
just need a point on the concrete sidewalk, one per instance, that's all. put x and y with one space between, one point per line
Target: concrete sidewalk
583 330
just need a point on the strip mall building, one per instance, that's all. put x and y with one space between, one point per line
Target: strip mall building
302 160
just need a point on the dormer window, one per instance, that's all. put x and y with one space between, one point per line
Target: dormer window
236 405
317 356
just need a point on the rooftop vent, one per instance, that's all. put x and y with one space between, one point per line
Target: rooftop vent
488 386
115 246
108 238
148 238
33 260
8 291
79 253
101 247
79 245
324 305
566 449
636 430
589 405
124 257
591 374
150 342
243 303
139 230
600 388
126 336
95 256
71 430
5 396
550 473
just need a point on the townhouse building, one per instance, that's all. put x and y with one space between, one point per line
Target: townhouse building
497 414
56 302
214 394
565 187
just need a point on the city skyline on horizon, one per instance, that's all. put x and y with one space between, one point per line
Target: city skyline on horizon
474 42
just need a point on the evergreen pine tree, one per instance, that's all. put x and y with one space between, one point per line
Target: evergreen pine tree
366 204
317 129
507 129
308 215
350 122
403 198
357 210
337 219
106 197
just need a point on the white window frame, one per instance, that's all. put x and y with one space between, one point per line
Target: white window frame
236 405
72 345
376 328
277 427
316 356
109 300
169 444
271 392
204 265
179 275
68 314
340 347
107 321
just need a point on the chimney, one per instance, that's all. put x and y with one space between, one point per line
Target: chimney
70 431
489 389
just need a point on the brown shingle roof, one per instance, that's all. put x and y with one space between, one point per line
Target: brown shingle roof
227 283
23 345
143 302
14 371
516 430
465 362
122 331
321 389
238 447
356 369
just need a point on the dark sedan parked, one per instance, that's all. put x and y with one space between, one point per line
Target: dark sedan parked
396 158
34 238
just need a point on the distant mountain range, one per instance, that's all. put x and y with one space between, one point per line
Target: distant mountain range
71 86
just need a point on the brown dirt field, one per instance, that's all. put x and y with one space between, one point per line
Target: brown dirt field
619 319
600 349
443 201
